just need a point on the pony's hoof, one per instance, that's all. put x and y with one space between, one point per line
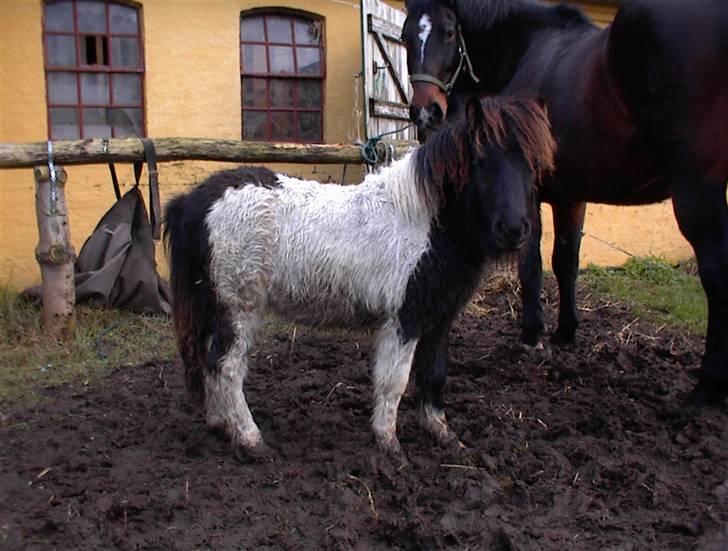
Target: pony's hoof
705 394
451 442
393 450
260 453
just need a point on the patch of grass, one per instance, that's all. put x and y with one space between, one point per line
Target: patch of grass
655 289
31 360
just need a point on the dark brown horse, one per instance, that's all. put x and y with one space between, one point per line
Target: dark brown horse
639 111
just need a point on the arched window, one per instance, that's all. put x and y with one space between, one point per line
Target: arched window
94 68
282 76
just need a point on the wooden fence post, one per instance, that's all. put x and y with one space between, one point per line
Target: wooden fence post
55 253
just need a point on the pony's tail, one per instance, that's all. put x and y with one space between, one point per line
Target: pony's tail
194 300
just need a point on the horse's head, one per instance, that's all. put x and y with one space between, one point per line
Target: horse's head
490 161
436 56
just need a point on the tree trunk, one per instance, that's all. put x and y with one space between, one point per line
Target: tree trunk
55 254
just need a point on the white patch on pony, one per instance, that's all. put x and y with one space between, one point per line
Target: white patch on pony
321 254
425 25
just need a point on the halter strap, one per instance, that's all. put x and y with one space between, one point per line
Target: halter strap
448 86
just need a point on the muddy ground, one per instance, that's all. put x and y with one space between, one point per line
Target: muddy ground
583 448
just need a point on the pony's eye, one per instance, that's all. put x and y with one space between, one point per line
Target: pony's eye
450 34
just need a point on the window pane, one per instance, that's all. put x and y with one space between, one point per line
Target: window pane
307 32
125 52
254 59
126 121
91 17
309 93
123 19
61 51
127 89
95 89
64 124
309 61
279 29
251 29
254 125
62 88
281 59
59 17
95 123
310 126
281 93
281 125
254 92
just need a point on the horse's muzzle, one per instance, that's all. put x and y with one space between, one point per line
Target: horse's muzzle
427 120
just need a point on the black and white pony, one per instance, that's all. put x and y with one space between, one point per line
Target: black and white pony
402 252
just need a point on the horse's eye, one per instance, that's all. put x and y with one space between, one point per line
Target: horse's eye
450 34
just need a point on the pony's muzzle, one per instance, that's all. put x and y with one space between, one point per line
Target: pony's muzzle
511 234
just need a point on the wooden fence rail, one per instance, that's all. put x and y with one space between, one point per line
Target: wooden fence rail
84 152
55 253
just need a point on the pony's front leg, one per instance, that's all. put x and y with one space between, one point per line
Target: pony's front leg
568 224
430 374
392 364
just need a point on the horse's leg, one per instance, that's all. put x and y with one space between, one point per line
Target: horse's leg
702 214
430 374
392 364
568 224
530 274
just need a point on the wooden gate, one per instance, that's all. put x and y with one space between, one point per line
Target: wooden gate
386 84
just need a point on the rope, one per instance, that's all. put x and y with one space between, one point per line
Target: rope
608 244
53 179
374 152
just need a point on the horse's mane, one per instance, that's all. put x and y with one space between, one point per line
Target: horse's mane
477 15
483 14
504 122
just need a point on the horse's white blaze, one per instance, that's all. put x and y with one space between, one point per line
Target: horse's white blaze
320 254
425 28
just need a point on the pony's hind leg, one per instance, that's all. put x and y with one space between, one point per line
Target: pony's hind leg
226 408
392 365
431 372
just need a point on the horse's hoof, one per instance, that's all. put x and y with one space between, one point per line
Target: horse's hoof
528 347
706 394
259 453
563 339
531 339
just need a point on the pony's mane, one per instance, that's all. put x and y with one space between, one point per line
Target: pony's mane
503 122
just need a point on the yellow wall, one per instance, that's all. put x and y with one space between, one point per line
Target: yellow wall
192 87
